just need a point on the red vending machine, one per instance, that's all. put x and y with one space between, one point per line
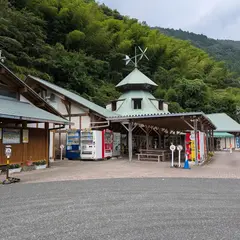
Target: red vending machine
107 143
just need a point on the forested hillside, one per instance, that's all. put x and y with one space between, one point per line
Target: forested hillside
222 50
80 45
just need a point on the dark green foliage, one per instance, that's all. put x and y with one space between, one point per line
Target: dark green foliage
80 45
223 50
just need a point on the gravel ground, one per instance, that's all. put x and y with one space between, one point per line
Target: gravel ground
224 165
120 209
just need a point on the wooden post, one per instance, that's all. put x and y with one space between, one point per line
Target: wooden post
212 141
147 140
47 143
207 141
160 141
130 149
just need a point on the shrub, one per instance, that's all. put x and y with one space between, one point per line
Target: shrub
39 163
13 166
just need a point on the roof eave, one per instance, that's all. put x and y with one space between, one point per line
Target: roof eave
37 120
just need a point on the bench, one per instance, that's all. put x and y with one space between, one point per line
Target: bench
150 156
164 153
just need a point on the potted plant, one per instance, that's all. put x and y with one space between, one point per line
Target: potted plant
15 168
40 164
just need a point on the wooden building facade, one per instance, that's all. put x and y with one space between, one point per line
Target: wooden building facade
25 121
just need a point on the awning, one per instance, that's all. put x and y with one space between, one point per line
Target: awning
222 135
13 109
172 121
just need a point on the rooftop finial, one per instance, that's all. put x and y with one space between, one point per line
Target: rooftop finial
2 58
138 57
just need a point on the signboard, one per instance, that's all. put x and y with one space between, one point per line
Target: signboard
179 148
172 147
238 142
8 151
11 136
25 135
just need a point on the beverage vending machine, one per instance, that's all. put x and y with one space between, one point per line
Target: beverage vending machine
96 144
107 147
73 144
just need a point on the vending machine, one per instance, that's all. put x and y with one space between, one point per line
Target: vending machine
73 148
107 146
96 144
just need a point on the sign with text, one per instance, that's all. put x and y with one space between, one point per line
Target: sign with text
11 136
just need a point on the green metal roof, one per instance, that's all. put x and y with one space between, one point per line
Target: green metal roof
224 123
222 135
15 109
74 97
148 107
135 78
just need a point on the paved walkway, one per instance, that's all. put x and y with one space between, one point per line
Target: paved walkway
224 165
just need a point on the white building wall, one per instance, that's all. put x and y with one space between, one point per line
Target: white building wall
155 103
51 145
76 121
109 107
85 122
77 109
165 107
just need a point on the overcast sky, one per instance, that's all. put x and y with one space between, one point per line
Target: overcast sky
214 18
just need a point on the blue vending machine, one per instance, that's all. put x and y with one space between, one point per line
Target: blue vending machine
73 148
238 142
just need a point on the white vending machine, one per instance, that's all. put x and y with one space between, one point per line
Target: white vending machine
91 144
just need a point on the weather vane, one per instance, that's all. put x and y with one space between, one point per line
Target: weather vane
2 58
138 57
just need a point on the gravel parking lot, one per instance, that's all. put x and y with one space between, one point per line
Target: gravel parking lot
224 165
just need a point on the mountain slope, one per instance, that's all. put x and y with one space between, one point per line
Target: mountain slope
222 50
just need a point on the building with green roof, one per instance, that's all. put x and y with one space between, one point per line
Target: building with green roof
26 121
137 98
227 131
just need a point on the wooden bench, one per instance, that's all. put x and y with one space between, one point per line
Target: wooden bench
164 153
150 157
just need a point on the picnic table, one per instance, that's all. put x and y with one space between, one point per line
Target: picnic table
154 154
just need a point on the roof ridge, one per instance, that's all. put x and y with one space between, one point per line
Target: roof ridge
129 79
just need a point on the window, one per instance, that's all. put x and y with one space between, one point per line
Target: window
137 103
114 106
160 105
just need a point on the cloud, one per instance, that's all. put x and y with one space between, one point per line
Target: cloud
214 18
222 22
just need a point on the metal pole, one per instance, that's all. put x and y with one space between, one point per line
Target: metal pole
61 153
130 140
7 172
172 159
179 158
